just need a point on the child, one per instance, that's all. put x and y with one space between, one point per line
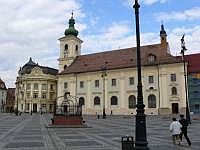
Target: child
175 128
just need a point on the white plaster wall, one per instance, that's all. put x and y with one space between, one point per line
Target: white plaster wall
162 88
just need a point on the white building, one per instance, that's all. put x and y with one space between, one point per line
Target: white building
3 93
36 88
109 79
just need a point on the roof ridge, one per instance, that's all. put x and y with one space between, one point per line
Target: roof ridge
121 49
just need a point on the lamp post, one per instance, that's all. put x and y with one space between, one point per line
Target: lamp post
31 105
140 128
17 95
183 49
103 75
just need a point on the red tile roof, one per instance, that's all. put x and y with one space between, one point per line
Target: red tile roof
193 63
118 59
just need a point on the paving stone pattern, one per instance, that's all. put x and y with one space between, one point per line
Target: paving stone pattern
31 132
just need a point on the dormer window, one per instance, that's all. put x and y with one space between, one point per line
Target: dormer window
151 58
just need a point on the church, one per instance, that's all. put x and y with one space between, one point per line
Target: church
105 81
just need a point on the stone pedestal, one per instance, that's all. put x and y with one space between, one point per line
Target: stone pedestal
67 120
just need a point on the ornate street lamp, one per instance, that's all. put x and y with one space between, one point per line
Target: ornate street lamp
17 96
140 128
31 105
103 75
183 49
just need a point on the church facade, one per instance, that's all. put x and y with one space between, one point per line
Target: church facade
108 80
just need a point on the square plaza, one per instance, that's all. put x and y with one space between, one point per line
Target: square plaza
31 132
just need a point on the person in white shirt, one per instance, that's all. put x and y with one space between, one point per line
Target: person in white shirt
175 128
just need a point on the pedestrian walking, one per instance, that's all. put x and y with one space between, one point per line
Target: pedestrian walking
175 128
184 124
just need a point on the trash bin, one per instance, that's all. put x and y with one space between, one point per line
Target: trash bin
127 143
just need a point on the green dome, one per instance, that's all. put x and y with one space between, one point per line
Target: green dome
71 30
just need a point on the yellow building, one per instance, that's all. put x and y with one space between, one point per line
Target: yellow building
109 79
36 88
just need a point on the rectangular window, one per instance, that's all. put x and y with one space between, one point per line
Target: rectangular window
151 79
44 105
96 83
131 81
27 106
65 85
35 95
51 87
22 95
28 95
35 86
51 107
81 84
114 82
173 77
44 95
51 96
22 86
28 86
44 86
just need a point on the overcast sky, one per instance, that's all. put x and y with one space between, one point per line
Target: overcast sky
30 28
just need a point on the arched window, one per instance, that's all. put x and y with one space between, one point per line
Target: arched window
151 101
65 66
81 101
96 100
66 95
66 46
114 100
66 50
76 47
151 88
131 101
174 91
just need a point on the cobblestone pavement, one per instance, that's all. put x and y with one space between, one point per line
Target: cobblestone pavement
28 132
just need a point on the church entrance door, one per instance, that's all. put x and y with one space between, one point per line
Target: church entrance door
34 107
175 108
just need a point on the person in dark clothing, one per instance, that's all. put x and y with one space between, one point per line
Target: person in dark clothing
184 124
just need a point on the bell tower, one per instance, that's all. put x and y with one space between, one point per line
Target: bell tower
163 36
163 40
70 46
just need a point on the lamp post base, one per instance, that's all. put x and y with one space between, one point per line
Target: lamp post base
141 140
104 114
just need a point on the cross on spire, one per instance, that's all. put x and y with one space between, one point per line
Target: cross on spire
72 14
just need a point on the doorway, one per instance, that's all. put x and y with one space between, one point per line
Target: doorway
34 107
175 108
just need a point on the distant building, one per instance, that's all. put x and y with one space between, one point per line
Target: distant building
3 93
10 100
109 79
194 81
36 88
